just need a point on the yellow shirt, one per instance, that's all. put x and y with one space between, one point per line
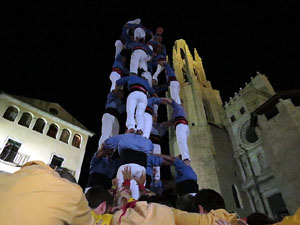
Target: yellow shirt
37 195
185 218
291 220
106 218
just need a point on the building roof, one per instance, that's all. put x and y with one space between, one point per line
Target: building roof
269 107
53 108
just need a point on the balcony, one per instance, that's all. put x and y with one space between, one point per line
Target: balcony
13 158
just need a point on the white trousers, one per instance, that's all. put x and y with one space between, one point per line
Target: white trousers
157 150
119 47
182 133
110 127
136 171
175 89
139 33
147 125
147 75
136 102
158 71
114 76
139 59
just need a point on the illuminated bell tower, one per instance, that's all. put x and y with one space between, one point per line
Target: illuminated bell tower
203 105
209 143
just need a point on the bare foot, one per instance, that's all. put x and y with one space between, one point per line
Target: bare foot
139 132
187 162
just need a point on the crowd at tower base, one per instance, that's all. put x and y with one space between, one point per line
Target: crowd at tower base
124 185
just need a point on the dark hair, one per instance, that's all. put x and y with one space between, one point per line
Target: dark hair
65 173
96 195
185 203
259 219
168 199
209 200
149 199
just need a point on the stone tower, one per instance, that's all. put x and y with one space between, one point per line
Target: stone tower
249 152
277 124
209 143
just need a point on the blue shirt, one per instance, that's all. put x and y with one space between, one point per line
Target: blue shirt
114 102
178 110
129 141
139 45
130 80
183 172
105 166
118 63
153 160
153 101
169 70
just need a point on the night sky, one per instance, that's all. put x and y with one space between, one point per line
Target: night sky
62 51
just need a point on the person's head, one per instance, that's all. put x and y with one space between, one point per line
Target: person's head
184 203
99 199
64 173
168 199
147 198
122 197
259 219
207 200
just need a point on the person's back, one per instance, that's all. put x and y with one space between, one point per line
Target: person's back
37 195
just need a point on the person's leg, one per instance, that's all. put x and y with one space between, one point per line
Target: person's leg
155 110
147 75
158 71
136 21
119 47
182 137
131 104
140 110
147 125
139 33
157 150
175 89
107 126
135 60
114 76
115 127
143 63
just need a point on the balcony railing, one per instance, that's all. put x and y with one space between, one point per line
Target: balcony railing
13 157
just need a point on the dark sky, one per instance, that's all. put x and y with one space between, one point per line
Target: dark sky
62 51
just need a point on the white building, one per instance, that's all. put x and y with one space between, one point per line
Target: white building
32 129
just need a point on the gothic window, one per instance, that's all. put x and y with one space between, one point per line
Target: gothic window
52 132
242 110
11 113
39 125
208 111
76 141
25 119
247 134
65 135
236 196
232 118
182 54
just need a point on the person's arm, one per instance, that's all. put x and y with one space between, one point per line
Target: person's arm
111 143
169 70
122 81
167 158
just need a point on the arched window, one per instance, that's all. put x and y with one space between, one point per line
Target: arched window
52 132
76 141
39 125
65 135
25 119
236 196
11 113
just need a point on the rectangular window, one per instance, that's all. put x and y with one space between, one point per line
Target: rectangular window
232 118
242 110
56 161
10 151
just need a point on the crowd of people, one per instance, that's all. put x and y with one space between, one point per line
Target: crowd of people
124 186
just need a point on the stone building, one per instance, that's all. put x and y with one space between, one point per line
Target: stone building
258 182
209 142
32 129
277 124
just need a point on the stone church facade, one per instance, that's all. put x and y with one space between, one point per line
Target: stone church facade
230 153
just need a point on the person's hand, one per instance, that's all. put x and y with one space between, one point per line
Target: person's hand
141 179
100 222
168 100
241 222
155 95
127 173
